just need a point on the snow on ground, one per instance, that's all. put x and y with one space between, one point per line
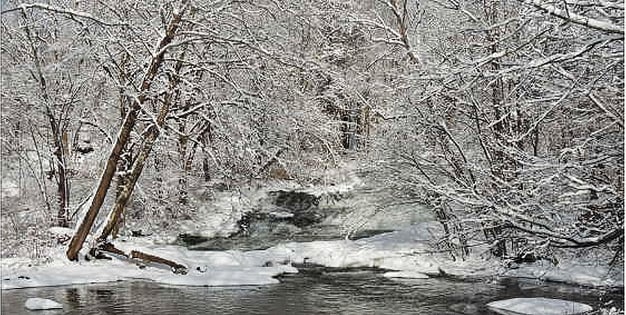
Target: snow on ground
205 269
41 304
588 273
220 268
406 251
405 274
538 306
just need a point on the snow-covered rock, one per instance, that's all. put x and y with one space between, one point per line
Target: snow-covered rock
538 306
41 304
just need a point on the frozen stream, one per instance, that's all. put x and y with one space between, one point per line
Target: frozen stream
313 291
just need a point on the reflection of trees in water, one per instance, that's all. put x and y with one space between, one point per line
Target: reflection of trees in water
104 295
97 300
72 297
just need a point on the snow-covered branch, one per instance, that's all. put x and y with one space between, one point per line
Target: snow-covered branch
576 18
64 11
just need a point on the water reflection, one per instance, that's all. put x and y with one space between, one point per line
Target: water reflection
315 292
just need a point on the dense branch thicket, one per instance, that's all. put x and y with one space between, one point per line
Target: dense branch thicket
517 125
505 117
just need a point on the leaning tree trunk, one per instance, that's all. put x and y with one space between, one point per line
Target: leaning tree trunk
127 189
140 161
127 126
105 181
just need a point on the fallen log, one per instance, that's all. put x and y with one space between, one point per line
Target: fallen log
176 267
97 252
108 247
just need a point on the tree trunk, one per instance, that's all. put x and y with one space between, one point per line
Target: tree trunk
105 181
63 181
129 122
140 161
138 165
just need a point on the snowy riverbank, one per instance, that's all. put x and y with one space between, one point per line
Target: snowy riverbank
407 251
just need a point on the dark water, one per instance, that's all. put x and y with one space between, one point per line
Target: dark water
316 291
273 235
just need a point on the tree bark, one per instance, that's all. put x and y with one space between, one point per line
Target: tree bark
152 134
127 189
137 255
129 122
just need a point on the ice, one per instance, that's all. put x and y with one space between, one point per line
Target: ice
41 304
538 306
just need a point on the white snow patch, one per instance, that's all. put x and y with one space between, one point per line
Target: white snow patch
229 268
9 189
61 231
405 274
538 306
570 271
281 214
41 304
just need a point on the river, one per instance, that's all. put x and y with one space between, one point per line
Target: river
312 291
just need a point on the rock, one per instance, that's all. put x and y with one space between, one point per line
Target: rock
538 306
41 304
297 208
306 218
138 233
190 240
294 200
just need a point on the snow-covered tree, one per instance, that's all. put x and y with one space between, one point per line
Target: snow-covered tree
514 123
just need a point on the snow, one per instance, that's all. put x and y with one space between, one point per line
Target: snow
572 271
281 214
61 231
538 306
222 268
406 253
41 304
205 269
9 189
405 274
